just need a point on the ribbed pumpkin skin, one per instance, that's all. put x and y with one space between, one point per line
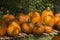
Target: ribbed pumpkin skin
27 27
13 29
8 16
47 29
48 17
7 19
34 17
22 18
38 29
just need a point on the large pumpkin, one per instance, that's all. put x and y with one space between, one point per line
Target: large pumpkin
48 17
57 20
13 29
22 18
38 29
27 27
3 29
35 17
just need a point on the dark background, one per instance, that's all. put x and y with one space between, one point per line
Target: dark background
16 6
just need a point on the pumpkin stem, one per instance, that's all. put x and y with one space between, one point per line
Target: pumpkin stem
8 12
48 8
29 21
37 24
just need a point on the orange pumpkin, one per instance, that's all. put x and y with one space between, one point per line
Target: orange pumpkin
30 14
3 29
35 17
27 27
47 29
22 18
57 20
13 29
38 29
48 17
8 18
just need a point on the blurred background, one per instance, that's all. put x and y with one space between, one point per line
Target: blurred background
25 6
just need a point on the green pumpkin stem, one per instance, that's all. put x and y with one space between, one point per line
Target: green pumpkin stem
29 21
37 24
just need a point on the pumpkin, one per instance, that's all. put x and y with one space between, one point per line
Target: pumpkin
56 37
3 29
57 20
27 27
35 17
22 18
13 29
38 29
30 14
47 29
48 17
8 18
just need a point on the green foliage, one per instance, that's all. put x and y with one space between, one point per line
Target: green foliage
40 5
57 6
16 6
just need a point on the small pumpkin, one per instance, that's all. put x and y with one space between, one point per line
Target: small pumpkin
48 17
27 27
8 18
35 17
38 29
57 20
13 29
3 29
47 29
22 18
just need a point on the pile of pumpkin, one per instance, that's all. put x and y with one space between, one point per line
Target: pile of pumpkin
33 22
